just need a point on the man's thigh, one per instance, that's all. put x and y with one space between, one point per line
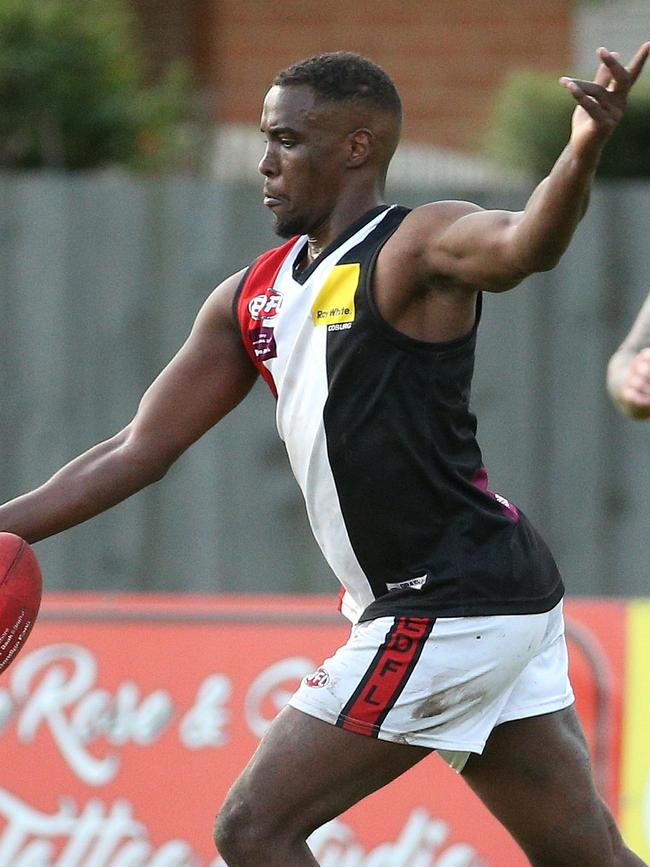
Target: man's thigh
535 777
306 772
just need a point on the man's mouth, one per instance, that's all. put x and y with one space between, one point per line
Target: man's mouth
271 198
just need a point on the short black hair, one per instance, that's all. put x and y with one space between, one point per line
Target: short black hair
343 76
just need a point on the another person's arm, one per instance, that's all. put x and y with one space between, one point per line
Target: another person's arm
209 376
628 371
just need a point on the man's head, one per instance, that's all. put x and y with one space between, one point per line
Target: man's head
332 124
343 77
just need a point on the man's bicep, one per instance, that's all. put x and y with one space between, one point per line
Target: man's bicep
465 245
208 377
480 251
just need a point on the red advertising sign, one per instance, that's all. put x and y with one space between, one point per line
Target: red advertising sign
124 721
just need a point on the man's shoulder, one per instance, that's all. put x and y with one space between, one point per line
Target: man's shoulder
423 227
438 215
264 269
274 254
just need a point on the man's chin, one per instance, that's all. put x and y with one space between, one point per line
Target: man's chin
287 228
283 231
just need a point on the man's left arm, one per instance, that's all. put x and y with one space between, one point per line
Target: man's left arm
495 250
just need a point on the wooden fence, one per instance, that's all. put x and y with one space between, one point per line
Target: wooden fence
101 277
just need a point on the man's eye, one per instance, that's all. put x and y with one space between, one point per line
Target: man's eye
287 142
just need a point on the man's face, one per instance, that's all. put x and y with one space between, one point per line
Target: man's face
304 159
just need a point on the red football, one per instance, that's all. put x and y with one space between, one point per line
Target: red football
21 585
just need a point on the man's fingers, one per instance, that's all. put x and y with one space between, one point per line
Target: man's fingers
611 77
620 77
611 73
603 75
597 91
637 63
593 98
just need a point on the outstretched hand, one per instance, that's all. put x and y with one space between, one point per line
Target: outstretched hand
602 102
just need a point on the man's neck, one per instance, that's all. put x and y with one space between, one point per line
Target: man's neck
338 222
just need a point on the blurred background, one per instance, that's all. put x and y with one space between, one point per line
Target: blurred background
129 145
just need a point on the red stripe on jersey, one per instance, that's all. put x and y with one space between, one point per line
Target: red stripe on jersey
256 325
386 676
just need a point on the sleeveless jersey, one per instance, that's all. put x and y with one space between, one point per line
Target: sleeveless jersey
382 442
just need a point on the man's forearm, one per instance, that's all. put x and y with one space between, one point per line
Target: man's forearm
93 482
544 230
554 210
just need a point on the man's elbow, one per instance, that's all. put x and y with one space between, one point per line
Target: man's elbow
518 262
149 460
547 263
540 260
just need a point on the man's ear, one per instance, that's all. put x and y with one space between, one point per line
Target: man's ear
360 145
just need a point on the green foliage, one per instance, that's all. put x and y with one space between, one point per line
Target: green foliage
72 92
531 123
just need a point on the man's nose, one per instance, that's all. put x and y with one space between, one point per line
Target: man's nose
267 165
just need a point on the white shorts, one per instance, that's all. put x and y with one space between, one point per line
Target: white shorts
441 683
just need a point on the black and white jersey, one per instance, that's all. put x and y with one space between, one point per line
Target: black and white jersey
381 440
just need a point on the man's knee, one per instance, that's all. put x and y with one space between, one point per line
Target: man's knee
235 835
244 830
590 839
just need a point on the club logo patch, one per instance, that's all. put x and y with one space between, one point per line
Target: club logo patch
318 679
263 310
266 306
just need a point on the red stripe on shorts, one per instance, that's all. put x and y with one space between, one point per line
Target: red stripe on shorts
386 676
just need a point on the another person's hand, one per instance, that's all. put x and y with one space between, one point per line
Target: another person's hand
634 392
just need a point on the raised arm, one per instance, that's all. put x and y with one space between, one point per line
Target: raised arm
494 250
209 376
628 371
